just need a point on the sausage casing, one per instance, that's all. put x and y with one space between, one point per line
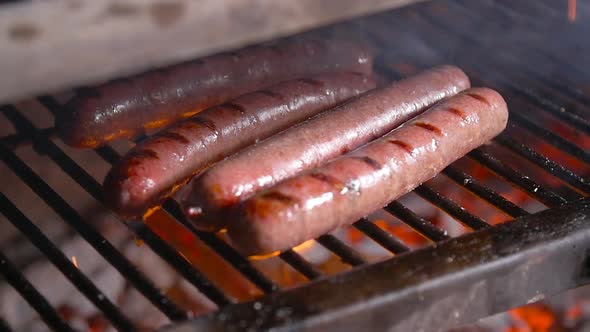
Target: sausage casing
128 107
358 183
153 169
311 143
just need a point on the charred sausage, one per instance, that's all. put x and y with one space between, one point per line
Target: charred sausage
310 143
354 185
155 168
127 107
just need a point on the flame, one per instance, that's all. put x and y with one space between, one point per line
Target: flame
571 10
305 246
264 256
532 318
203 258
75 261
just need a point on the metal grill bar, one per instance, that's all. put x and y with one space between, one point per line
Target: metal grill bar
19 139
496 200
546 53
544 195
4 326
63 264
518 64
450 207
70 216
32 296
418 223
346 253
229 254
383 238
550 137
300 264
223 249
547 164
160 247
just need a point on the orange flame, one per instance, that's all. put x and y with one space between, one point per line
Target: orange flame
75 261
532 318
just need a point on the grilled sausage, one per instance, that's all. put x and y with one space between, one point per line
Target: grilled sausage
310 143
354 185
128 107
152 170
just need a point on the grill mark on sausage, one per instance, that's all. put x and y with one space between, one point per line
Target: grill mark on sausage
197 62
205 122
429 127
332 181
311 81
479 97
175 137
369 161
145 154
272 94
457 112
277 196
236 107
236 56
278 50
407 147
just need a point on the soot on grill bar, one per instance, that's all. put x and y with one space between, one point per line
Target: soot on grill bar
241 190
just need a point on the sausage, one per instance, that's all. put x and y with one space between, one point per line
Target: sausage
313 142
127 107
155 168
356 184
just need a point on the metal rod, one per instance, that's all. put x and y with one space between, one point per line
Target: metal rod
72 218
450 207
301 265
33 297
416 222
229 254
19 139
496 200
223 249
65 266
161 248
535 190
346 253
545 163
4 327
383 238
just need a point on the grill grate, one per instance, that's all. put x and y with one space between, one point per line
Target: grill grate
514 72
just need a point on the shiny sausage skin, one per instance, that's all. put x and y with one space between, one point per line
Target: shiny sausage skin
358 183
311 143
128 107
152 170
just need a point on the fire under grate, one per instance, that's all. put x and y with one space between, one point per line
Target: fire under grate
528 51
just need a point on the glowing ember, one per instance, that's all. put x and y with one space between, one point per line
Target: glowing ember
75 262
532 318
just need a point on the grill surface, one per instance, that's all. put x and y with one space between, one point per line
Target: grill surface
526 50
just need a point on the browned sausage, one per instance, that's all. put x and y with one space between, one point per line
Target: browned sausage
354 185
152 170
311 143
127 107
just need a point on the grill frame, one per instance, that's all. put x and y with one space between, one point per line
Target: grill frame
564 230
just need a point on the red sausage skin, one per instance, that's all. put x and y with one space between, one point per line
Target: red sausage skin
358 183
156 167
315 141
127 107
